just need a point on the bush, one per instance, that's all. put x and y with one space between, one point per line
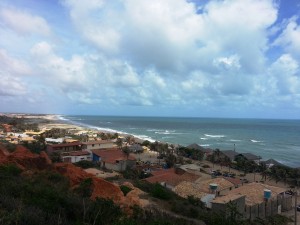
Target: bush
9 170
84 164
160 192
125 189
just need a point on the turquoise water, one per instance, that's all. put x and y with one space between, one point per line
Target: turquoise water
277 139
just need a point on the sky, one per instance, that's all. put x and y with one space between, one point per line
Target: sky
183 58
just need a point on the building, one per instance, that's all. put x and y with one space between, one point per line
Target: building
250 157
100 144
136 148
252 200
64 147
228 154
54 140
223 186
186 189
206 151
170 178
114 159
76 156
272 162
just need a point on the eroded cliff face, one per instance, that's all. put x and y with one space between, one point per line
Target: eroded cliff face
100 188
28 161
24 159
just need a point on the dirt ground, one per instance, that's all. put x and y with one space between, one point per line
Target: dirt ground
100 173
252 177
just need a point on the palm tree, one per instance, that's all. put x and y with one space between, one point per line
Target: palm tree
264 171
126 151
119 143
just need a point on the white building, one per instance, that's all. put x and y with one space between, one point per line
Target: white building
76 156
101 144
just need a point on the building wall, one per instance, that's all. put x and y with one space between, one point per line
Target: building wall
269 208
221 207
74 159
120 166
90 147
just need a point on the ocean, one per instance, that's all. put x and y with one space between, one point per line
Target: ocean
268 138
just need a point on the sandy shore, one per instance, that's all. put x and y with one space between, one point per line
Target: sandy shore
55 121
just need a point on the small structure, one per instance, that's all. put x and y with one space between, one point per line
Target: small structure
54 140
136 148
256 200
272 162
250 157
229 154
206 151
76 156
113 159
223 186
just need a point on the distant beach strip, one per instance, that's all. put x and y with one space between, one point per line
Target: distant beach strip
267 138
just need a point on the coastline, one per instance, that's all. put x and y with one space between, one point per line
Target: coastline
58 121
65 121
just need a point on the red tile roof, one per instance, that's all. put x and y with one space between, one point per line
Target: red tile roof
77 143
171 177
97 142
234 181
112 155
79 153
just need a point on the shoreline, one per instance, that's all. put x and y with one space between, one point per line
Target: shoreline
58 121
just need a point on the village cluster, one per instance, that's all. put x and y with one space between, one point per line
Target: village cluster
214 184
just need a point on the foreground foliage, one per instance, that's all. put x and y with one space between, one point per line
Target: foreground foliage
46 198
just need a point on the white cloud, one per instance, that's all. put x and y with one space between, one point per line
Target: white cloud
285 73
290 37
11 86
228 63
24 22
10 65
157 53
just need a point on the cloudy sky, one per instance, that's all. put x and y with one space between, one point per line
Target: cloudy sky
217 58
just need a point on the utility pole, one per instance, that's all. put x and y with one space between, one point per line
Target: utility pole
296 195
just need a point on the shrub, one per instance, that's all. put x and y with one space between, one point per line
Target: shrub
125 189
160 192
84 164
9 170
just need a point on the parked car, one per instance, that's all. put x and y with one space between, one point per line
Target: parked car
289 192
298 208
244 180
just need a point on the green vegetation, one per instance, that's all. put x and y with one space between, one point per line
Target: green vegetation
19 124
84 164
125 189
46 198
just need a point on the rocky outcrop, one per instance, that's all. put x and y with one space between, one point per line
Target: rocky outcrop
30 162
25 159
134 197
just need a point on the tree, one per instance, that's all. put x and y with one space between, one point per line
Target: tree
119 143
126 150
264 171
170 160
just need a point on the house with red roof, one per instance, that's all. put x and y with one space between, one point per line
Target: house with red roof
114 159
64 147
170 178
